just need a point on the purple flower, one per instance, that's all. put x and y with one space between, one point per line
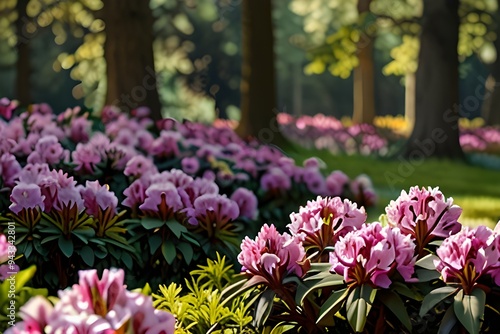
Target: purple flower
314 181
275 180
335 183
140 165
190 165
425 214
41 108
162 201
9 169
47 149
167 145
98 198
135 193
86 157
372 254
213 212
79 129
272 256
26 196
362 189
247 202
191 191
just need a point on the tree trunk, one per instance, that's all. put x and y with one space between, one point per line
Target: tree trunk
364 97
491 102
23 65
128 50
410 100
437 99
258 90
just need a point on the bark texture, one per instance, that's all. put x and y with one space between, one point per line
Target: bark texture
128 50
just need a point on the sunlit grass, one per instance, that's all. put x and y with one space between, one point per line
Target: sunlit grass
475 189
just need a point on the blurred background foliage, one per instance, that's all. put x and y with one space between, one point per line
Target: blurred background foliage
197 51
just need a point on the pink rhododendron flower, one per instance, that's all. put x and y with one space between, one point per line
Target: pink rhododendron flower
335 183
322 222
7 107
275 180
95 306
190 165
140 165
47 149
468 255
372 254
79 130
425 214
272 255
9 169
212 211
162 201
191 191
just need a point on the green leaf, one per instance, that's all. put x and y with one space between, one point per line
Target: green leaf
263 308
87 254
396 306
50 238
190 237
359 304
154 243
127 259
427 262
448 322
332 304
168 250
328 281
187 251
66 246
469 309
24 276
176 228
151 223
434 297
425 275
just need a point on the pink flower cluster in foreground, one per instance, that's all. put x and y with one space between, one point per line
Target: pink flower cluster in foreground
470 254
373 254
272 255
95 306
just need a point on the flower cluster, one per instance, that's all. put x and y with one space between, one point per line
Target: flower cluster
95 306
468 256
272 256
425 214
373 254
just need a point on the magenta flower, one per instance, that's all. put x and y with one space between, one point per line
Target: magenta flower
425 214
35 314
167 145
468 255
41 108
98 198
26 196
162 201
322 222
247 202
272 256
7 107
47 149
372 254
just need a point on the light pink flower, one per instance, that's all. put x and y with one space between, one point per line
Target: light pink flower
35 314
247 202
98 198
468 255
335 183
26 196
162 201
140 165
9 169
372 254
425 214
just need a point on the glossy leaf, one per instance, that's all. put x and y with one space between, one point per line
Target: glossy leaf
66 246
448 322
332 304
263 308
176 228
151 223
434 297
187 251
395 304
359 304
154 243
469 309
87 255
168 250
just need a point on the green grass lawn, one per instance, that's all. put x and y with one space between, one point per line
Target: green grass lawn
476 189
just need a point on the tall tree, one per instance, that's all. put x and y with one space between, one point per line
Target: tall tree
437 97
128 51
491 103
363 92
258 88
23 65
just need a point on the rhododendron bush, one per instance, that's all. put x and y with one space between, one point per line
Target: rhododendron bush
154 199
